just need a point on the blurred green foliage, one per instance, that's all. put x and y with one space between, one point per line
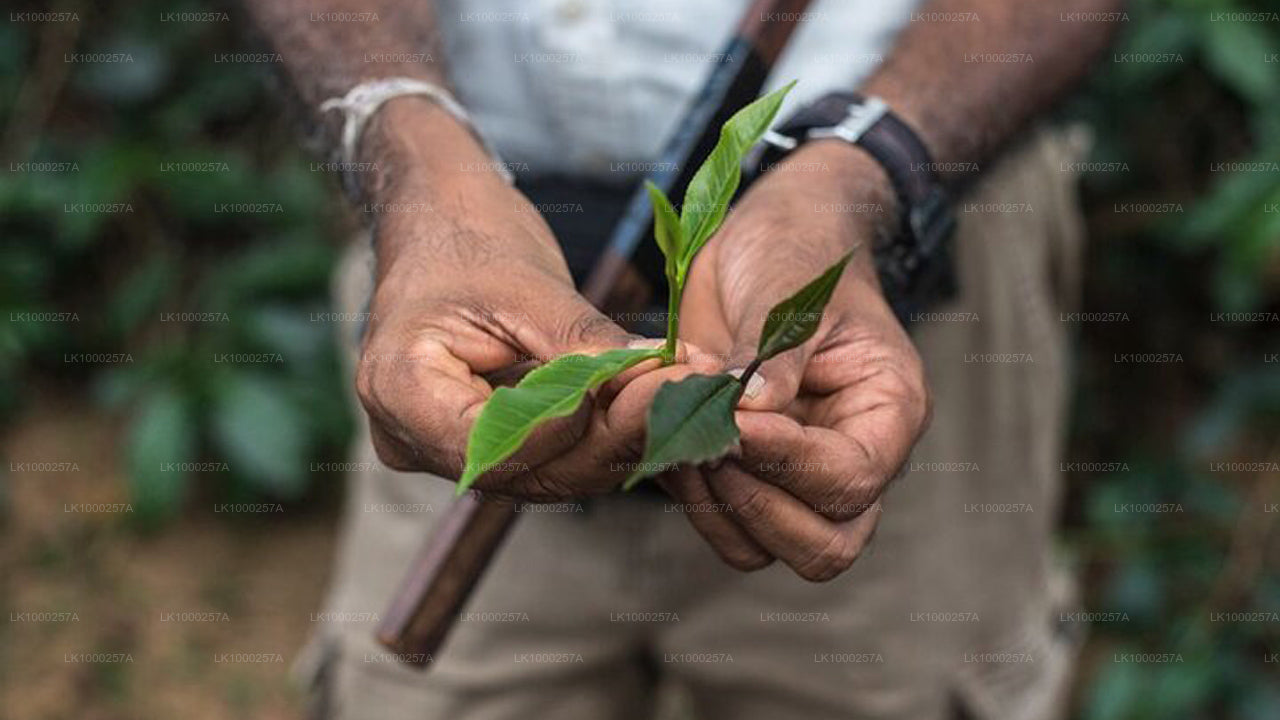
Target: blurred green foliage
1200 435
267 273
227 369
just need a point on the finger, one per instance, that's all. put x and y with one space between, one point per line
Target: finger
421 405
549 440
422 412
569 324
686 353
711 520
780 378
816 548
837 475
605 455
775 384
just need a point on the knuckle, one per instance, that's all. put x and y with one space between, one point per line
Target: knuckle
390 454
850 498
752 505
926 407
445 461
583 328
538 485
745 559
832 559
918 398
771 472
364 386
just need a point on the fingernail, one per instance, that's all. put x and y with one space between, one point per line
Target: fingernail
754 385
646 343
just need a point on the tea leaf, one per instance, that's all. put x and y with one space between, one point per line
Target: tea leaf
551 391
689 421
707 198
796 319
670 237
666 227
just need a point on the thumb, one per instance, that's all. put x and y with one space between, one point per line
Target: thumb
775 383
570 324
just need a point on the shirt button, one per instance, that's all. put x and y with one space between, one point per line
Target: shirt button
571 10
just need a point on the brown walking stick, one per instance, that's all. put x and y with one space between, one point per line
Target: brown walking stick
451 563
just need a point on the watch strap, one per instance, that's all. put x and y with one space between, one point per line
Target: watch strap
915 268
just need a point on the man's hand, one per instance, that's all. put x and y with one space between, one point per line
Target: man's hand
470 282
833 421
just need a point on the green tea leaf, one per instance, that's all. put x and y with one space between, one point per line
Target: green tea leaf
551 391
666 226
690 421
796 319
707 198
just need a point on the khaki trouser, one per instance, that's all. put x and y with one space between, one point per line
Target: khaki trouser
955 603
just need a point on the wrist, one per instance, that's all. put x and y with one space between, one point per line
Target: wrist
848 195
432 190
413 147
857 182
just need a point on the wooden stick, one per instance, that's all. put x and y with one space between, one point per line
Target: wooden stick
442 577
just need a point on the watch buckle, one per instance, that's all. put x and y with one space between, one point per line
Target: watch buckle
780 141
860 118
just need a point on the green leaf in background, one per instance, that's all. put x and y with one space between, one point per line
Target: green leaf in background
707 198
1162 32
284 265
1121 692
160 438
796 319
690 421
136 299
288 330
261 433
1235 52
551 391
666 227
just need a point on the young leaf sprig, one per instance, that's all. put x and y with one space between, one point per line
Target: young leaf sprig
690 420
706 200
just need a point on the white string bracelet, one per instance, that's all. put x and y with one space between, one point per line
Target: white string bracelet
364 100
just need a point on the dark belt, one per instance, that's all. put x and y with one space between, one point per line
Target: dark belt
581 213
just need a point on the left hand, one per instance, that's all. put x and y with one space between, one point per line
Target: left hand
834 420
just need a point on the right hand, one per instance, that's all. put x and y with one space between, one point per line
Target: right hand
473 286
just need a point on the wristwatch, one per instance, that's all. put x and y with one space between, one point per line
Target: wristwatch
915 266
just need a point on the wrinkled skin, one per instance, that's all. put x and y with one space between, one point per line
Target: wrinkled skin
835 419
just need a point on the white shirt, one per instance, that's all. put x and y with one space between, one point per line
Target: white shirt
595 87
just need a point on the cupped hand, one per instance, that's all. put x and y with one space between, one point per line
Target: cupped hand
470 286
826 426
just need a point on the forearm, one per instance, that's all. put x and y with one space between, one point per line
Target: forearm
330 46
967 82
968 85
427 170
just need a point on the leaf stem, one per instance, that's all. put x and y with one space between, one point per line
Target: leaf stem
748 371
674 292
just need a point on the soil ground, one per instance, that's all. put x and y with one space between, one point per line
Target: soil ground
208 611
